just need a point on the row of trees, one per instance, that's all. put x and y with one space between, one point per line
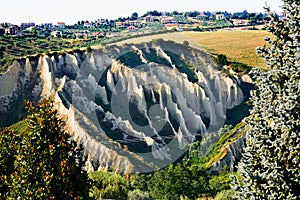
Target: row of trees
237 15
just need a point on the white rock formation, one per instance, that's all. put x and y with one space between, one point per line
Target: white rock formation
126 117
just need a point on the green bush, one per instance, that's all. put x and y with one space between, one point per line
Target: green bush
221 59
224 195
186 43
88 49
173 182
139 195
108 185
240 68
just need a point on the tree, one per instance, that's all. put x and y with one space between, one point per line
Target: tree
186 43
154 13
9 142
88 49
221 59
108 185
175 12
134 16
47 164
270 167
178 181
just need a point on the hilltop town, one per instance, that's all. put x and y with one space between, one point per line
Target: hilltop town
164 20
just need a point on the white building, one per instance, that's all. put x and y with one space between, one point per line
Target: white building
61 24
220 16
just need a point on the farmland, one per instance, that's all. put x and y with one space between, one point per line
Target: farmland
237 45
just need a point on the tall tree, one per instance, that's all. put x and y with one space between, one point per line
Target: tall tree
46 163
270 167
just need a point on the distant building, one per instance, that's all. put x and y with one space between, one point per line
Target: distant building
149 19
61 24
56 33
220 16
240 22
166 20
172 26
134 22
26 25
12 30
131 28
127 23
87 25
120 24
98 34
245 28
102 21
201 16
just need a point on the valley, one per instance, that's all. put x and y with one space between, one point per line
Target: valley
166 105
128 95
138 107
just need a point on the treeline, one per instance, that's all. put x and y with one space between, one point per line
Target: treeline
207 15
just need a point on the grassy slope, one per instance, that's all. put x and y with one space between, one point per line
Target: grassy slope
238 46
219 150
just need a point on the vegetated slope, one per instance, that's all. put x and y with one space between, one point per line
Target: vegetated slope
237 45
16 46
219 150
129 117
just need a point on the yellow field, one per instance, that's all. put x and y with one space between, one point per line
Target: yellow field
237 45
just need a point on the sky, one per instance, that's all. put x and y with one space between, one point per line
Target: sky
72 11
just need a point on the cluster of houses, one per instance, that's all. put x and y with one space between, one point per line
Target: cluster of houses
129 24
132 25
11 29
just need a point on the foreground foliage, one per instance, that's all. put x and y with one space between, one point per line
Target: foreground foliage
108 185
174 182
270 168
42 163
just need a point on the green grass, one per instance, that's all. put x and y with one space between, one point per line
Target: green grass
131 59
183 66
152 57
219 150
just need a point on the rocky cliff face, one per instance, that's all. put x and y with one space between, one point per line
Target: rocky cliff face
135 108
